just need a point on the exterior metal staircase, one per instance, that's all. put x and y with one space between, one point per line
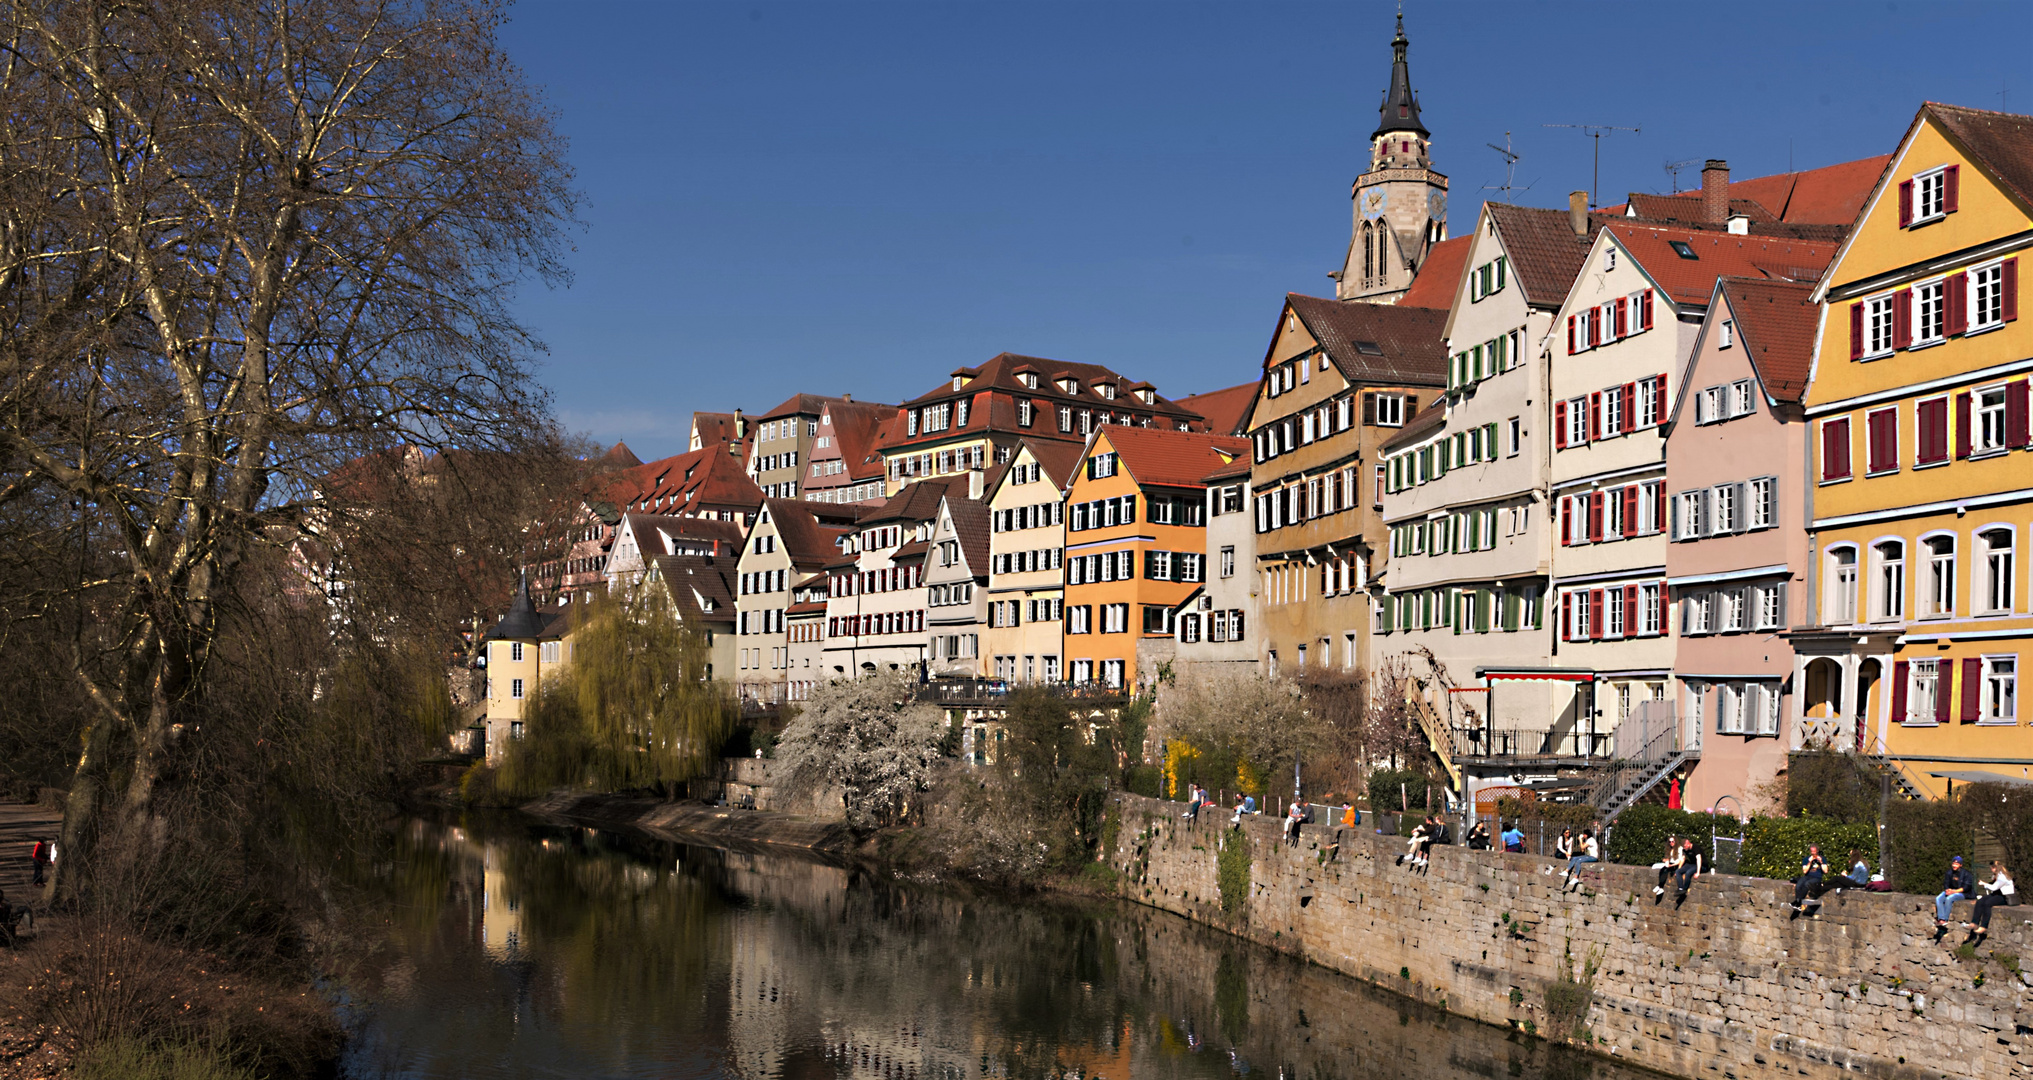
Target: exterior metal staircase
1648 747
1893 766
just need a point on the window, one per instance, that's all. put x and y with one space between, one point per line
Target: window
1938 594
1997 549
1930 312
515 688
1649 393
2000 701
1514 436
515 652
1987 296
1689 524
1723 500
1078 619
1763 510
1881 428
1613 613
1731 610
1115 618
1026 410
1683 249
1842 586
1708 405
1930 194
1228 561
1729 708
1612 412
1390 409
1923 699
1889 593
1741 403
1990 421
1697 612
1771 607
1577 421
1727 335
1878 316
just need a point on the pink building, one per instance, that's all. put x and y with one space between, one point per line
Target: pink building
1736 449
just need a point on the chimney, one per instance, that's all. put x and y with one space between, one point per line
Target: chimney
974 481
1715 191
740 424
1577 212
847 397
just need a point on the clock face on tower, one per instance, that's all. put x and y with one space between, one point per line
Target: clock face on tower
1374 201
1436 205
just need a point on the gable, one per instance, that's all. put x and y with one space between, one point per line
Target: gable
1985 212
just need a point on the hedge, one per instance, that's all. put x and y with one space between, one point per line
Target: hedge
1775 847
1921 836
1639 838
1385 795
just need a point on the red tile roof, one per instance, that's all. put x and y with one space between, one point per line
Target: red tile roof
970 527
1776 323
1237 469
1059 460
1832 195
2000 142
808 543
1690 282
1224 410
1419 426
994 387
649 530
801 405
1173 458
619 456
1376 343
1544 251
857 425
715 427
707 478
1440 275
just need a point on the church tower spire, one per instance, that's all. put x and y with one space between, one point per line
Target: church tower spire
1400 202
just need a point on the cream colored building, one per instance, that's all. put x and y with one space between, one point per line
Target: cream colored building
1026 546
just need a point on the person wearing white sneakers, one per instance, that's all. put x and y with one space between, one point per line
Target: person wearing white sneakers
1589 852
1667 868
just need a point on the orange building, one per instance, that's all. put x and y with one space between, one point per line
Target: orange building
1136 544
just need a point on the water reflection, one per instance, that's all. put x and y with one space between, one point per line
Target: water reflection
525 951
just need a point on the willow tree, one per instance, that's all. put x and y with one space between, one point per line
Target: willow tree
243 242
635 707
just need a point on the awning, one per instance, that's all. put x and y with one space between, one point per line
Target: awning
1978 776
1554 674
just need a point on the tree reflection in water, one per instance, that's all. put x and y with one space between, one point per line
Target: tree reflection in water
514 950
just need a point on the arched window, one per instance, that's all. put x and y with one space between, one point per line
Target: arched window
1842 586
1996 545
1368 252
1889 586
1939 595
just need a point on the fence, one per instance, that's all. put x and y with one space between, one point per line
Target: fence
954 691
1650 733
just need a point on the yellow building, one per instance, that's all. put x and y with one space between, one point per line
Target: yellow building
1921 501
526 647
1136 544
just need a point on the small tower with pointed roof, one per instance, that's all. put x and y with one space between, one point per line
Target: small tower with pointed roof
1400 202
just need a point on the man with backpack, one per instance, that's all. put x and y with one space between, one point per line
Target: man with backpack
43 853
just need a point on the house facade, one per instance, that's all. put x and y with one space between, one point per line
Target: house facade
1338 379
786 547
875 600
1217 627
1737 563
1921 500
1026 563
845 467
781 452
956 589
524 649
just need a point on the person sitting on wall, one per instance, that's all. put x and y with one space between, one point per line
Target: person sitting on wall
1690 868
1514 839
1812 869
1414 844
1587 851
1478 837
1666 867
1859 877
1293 819
1958 885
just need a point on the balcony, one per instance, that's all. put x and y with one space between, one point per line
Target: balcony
994 692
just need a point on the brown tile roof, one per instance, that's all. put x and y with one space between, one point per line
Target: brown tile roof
1059 460
856 427
1775 323
1173 458
1376 343
1237 469
1692 281
2000 142
650 528
1440 275
1543 249
699 586
808 542
997 383
801 405
716 427
970 527
919 501
1418 427
1224 410
709 477
619 456
809 607
914 550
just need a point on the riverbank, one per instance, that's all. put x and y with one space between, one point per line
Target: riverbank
716 826
1725 985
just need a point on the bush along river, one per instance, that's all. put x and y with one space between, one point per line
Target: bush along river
534 950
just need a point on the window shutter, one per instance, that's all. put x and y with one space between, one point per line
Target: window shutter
1595 415
1566 505
1951 189
1411 406
1595 614
1645 313
1595 327
1856 330
1944 703
1905 203
1739 511
1630 497
1674 534
1902 319
1595 517
2008 283
2015 413
1972 680
1570 335
1932 419
1560 425
1899 680
1630 409
1835 449
1686 615
1623 315
1369 410
1956 298
1962 419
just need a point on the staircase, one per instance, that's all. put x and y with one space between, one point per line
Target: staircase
1649 747
1629 783
1881 758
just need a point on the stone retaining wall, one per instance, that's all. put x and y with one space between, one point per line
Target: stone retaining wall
1725 986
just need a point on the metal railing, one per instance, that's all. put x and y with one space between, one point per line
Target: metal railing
954 691
1651 733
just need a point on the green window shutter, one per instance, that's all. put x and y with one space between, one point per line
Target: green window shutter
1499 272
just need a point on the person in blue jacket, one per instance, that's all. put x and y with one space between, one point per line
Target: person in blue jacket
1959 885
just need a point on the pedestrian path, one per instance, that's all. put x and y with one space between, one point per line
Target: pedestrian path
21 825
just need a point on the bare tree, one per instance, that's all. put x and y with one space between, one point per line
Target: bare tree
241 243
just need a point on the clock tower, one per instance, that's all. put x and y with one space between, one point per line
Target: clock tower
1400 202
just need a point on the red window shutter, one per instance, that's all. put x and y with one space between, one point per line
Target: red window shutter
1630 515
1972 679
2008 279
1560 420
1595 517
1595 415
1645 320
1567 616
1566 521
1623 315
1944 702
1631 620
1951 189
1933 424
1902 319
2015 413
1594 614
1570 335
1630 409
1956 296
1899 679
1856 330
1659 508
1835 449
1962 433
1905 203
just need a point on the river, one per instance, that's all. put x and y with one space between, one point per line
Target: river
519 949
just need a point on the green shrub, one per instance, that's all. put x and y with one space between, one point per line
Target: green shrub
1774 847
1569 997
1639 838
1994 809
1920 837
1829 784
1231 872
1391 789
1147 780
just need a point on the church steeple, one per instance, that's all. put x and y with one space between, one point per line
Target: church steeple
1400 111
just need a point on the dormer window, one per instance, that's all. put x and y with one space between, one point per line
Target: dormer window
1106 390
958 382
1069 386
1147 396
1030 379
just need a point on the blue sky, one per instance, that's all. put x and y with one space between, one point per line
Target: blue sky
859 197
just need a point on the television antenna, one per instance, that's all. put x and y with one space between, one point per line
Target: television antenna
1596 132
1673 170
1511 158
